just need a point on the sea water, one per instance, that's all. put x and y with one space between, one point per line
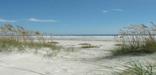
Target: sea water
97 38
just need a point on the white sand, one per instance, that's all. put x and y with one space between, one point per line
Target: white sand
79 61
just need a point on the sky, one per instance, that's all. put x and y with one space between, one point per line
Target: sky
77 16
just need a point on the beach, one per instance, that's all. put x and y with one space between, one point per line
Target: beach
71 60
78 37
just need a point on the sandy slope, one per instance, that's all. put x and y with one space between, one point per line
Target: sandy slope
69 62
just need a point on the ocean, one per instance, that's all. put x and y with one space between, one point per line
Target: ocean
97 38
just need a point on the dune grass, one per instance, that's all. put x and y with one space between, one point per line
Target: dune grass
139 69
12 38
87 45
136 39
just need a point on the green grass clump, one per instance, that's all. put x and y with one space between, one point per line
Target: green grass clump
139 69
127 49
7 45
136 39
88 46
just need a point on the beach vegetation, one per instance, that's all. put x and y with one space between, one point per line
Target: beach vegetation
87 45
136 39
137 68
18 37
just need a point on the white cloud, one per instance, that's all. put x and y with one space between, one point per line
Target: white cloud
105 11
112 10
5 20
41 20
118 10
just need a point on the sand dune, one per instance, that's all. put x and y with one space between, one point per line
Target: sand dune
77 61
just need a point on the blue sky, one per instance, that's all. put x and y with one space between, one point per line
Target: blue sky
77 16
